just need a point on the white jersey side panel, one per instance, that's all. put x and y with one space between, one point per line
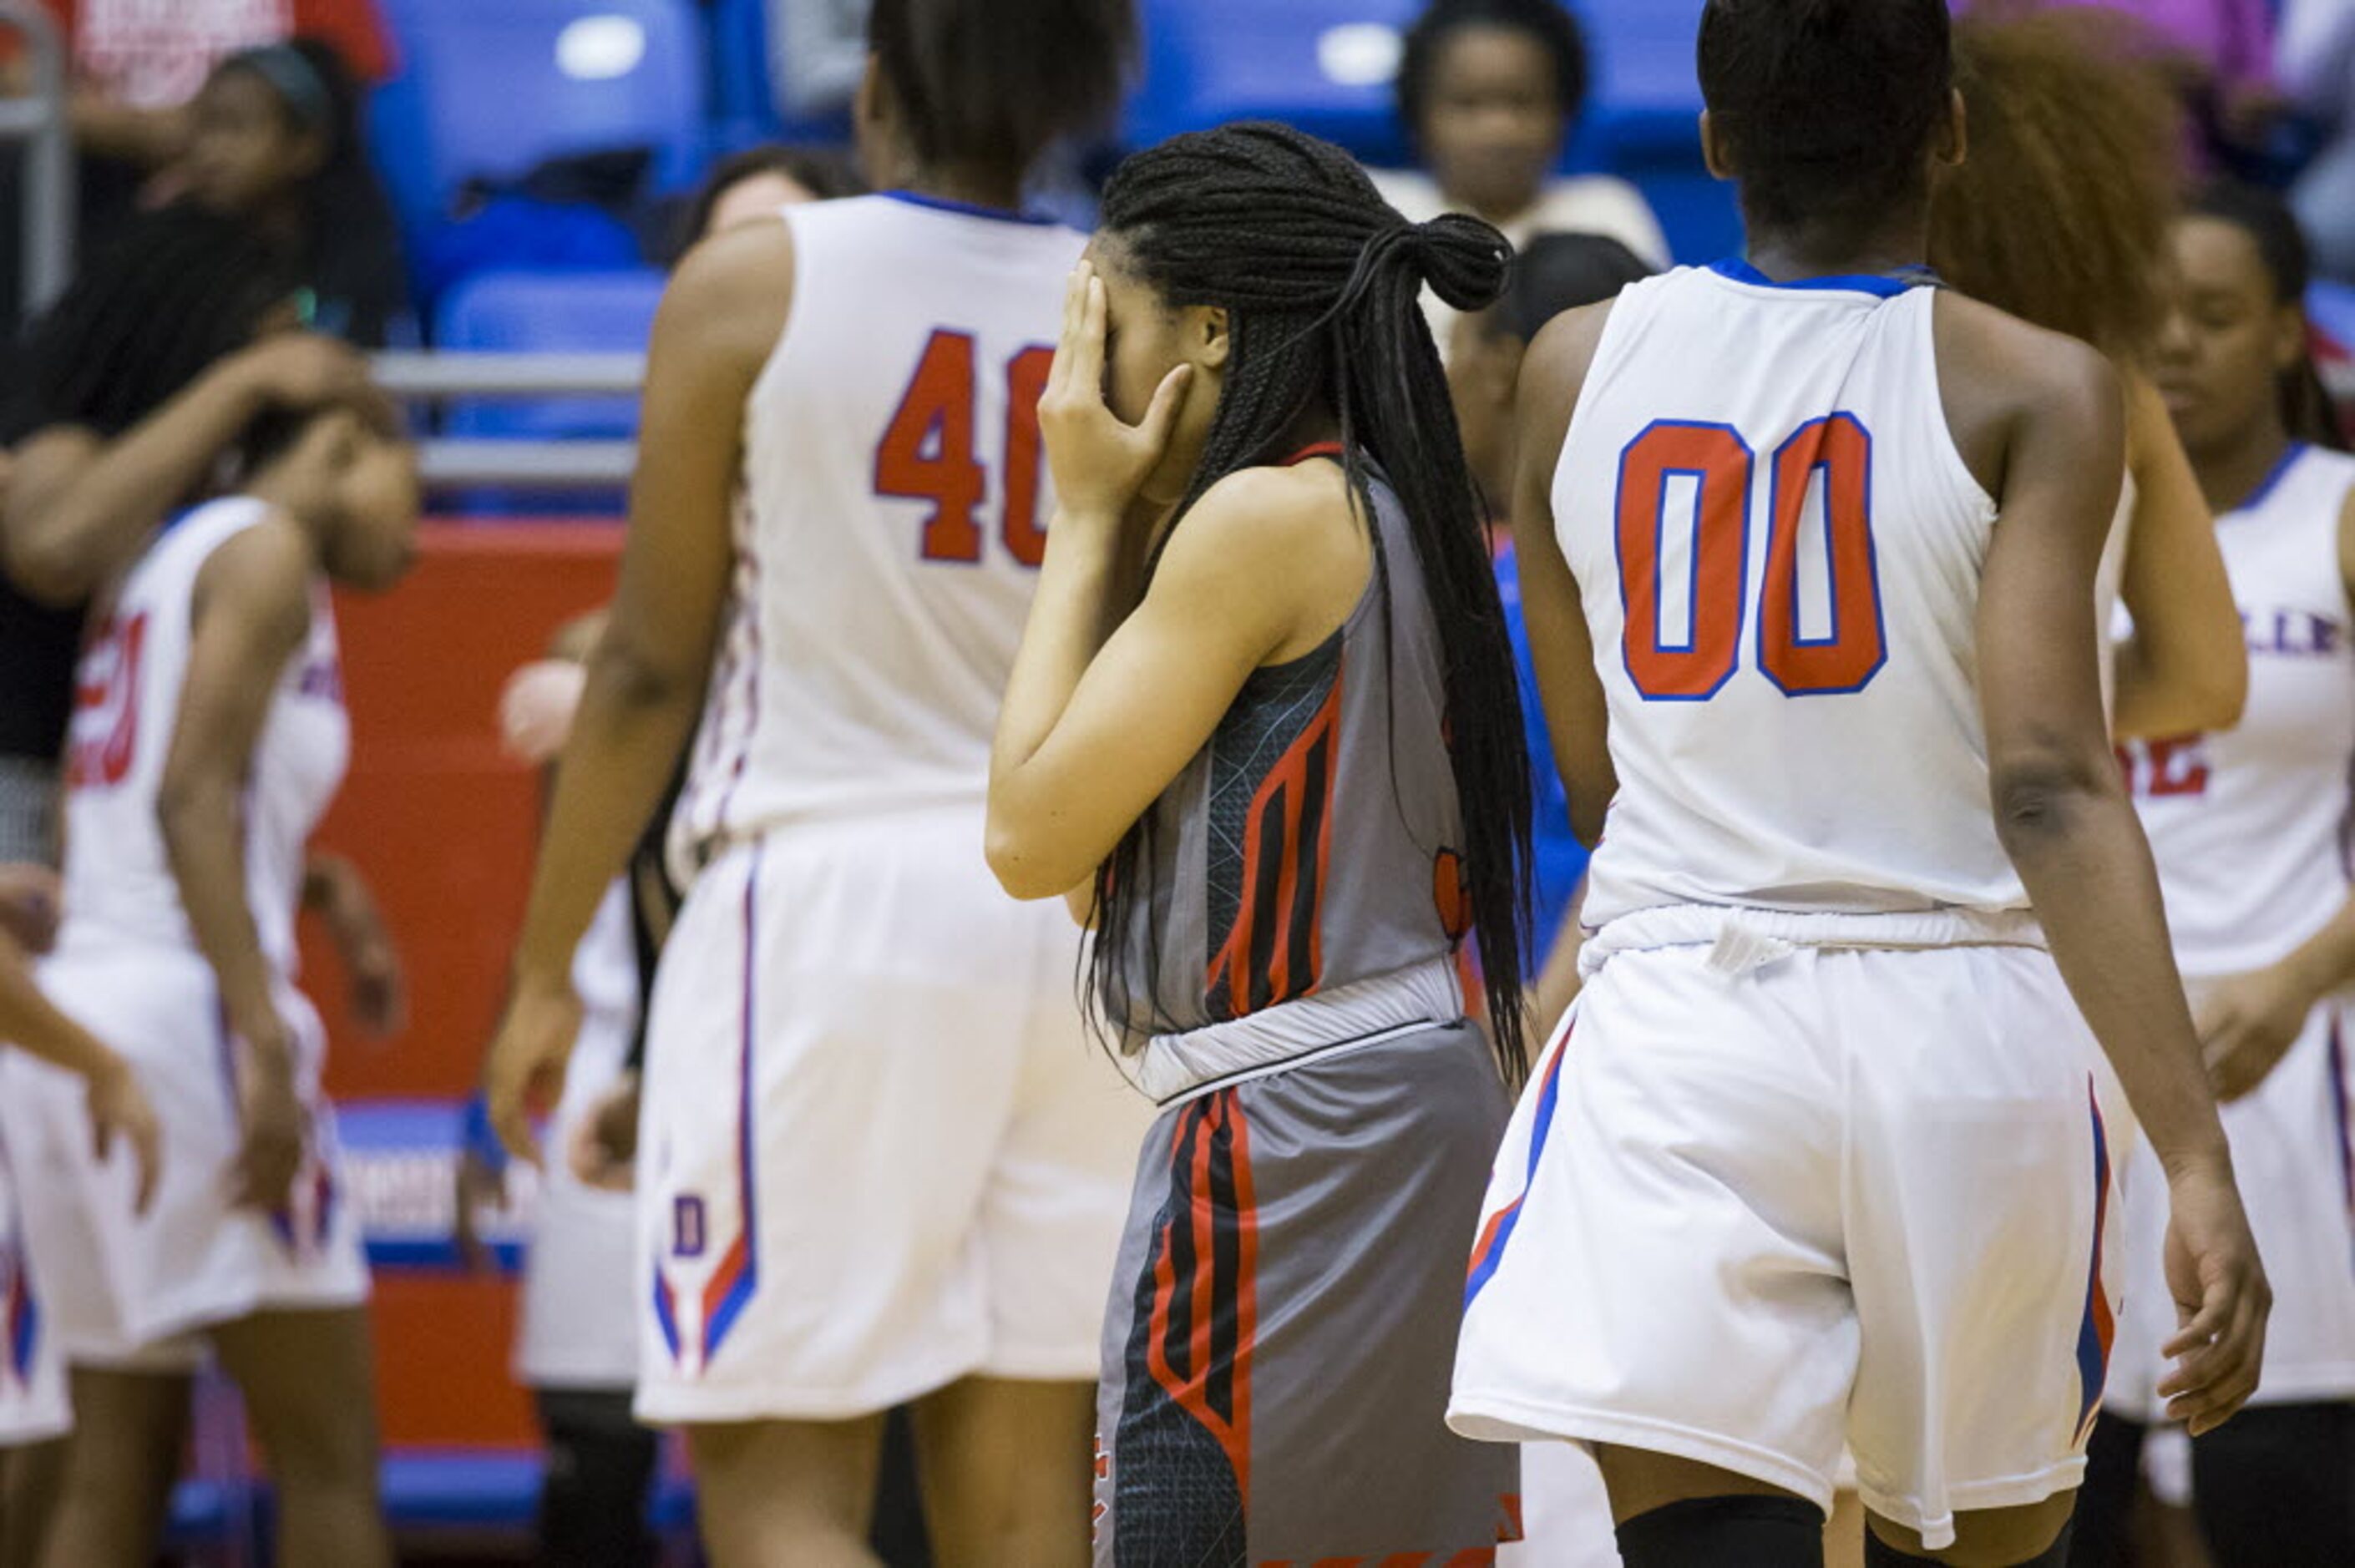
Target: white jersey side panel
118 876
891 518
1779 551
2249 825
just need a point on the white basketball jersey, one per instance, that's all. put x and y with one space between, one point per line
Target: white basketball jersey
1779 550
118 877
891 518
2249 825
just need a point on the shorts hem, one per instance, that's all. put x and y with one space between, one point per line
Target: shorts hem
198 1318
1494 1418
1969 1497
1043 1367
27 1434
668 1401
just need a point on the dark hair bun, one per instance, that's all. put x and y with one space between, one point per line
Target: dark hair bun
1465 260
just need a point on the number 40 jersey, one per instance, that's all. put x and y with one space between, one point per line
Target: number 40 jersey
1778 548
890 519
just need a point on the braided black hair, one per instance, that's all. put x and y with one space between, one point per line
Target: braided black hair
171 292
2308 413
1322 282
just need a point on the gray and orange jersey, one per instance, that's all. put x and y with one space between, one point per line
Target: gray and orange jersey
1316 842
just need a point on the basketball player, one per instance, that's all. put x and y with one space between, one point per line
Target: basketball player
2246 826
1266 721
209 735
1825 1151
2061 217
878 1162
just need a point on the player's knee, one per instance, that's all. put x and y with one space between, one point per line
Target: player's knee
2035 1536
1764 1530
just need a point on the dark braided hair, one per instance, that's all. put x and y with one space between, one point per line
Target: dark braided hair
1322 282
171 293
2306 411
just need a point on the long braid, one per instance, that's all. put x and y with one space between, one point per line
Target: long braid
1322 284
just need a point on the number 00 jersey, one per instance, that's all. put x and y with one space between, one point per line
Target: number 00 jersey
2248 826
890 521
1779 547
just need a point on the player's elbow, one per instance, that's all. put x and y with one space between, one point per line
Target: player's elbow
2041 797
1023 860
45 565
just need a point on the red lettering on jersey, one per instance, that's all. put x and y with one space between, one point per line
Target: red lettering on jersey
2165 770
1025 379
106 707
927 449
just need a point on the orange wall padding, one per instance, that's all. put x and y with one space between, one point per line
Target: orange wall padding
444 826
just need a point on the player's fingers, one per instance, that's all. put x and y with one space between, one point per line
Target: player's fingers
147 1148
1075 288
1087 360
1161 414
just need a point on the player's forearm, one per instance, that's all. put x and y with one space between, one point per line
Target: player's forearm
32 1023
62 546
2087 869
634 722
203 841
1071 617
2164 692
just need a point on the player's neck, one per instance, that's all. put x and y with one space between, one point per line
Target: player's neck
1790 255
2229 477
970 184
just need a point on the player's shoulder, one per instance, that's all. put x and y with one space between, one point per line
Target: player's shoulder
2018 360
734 289
259 568
1999 376
1269 514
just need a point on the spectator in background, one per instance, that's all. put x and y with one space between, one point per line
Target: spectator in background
2316 64
276 140
1489 91
756 183
138 64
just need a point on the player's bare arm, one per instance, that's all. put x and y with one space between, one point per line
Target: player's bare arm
1094 728
719 323
1561 645
2039 420
79 508
30 1023
253 613
2185 671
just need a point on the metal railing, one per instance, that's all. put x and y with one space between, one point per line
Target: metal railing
39 119
461 462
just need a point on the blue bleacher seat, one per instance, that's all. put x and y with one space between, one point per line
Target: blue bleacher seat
549 312
495 87
1327 66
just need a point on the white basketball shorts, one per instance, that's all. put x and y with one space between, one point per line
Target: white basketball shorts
579 1325
33 1405
879 1152
2292 1154
1851 1194
125 1289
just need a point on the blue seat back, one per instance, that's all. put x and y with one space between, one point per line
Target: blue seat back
492 88
549 312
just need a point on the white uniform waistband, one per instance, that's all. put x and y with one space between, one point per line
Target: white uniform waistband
1741 939
1176 1067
